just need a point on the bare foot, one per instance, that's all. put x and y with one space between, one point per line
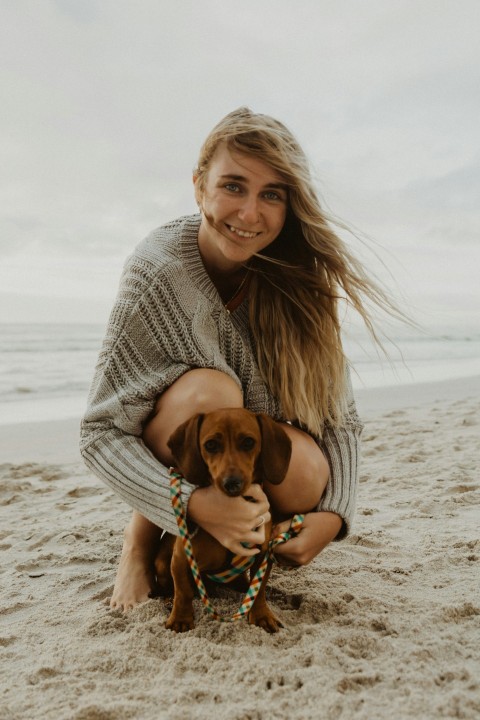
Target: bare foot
135 580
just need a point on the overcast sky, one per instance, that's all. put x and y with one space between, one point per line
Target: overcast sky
104 105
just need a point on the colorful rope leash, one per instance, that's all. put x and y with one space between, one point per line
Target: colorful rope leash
239 563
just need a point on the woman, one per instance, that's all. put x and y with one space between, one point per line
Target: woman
236 306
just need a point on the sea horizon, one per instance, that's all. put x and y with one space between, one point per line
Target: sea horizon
46 368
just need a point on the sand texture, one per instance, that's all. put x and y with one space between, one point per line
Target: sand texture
385 624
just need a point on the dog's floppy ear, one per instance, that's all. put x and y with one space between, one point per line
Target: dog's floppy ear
183 443
276 450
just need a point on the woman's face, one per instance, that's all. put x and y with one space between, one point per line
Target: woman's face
243 205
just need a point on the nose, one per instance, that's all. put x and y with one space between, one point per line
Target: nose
249 212
232 484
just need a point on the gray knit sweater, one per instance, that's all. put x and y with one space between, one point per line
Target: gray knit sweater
167 319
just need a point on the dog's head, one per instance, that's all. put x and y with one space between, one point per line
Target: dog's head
231 448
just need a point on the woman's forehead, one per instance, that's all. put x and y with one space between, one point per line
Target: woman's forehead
242 166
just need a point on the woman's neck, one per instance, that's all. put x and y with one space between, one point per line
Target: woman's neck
229 284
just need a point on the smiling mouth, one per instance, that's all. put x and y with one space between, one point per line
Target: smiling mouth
242 233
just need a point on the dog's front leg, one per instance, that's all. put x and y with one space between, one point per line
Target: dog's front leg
260 614
181 618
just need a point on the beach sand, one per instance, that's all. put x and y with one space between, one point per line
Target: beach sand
385 624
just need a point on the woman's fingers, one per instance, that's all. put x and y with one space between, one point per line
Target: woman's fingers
261 520
318 529
232 521
256 493
248 545
281 528
235 537
239 549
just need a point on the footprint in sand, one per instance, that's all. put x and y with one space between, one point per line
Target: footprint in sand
43 673
470 545
460 612
41 541
37 565
418 457
6 641
462 489
359 647
284 599
79 492
356 683
16 607
364 541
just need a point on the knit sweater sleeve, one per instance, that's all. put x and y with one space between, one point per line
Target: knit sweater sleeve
148 345
341 446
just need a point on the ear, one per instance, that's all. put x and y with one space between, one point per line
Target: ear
276 450
198 192
183 443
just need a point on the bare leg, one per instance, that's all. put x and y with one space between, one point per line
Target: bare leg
306 478
199 390
135 579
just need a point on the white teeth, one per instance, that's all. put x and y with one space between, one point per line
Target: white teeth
242 233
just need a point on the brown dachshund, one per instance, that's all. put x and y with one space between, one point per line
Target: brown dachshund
230 449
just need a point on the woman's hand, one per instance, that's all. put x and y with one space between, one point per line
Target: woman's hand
318 530
231 520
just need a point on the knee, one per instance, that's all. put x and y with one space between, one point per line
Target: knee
197 391
315 470
306 478
203 390
308 461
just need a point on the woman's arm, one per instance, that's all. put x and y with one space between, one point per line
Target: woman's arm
334 515
318 530
161 326
342 446
124 463
134 366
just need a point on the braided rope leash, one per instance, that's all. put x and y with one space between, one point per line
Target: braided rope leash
239 563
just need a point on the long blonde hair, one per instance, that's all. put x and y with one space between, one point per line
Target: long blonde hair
298 280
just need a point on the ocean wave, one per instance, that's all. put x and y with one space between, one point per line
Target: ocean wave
38 362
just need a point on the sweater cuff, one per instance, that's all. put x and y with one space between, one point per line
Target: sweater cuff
341 448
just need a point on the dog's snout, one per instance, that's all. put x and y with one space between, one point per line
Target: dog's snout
232 484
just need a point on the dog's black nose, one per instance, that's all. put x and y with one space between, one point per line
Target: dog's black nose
232 485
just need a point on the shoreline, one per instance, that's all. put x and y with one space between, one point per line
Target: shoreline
36 441
375 400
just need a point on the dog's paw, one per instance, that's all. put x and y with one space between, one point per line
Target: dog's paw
265 620
180 625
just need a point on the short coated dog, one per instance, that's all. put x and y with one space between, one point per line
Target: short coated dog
230 449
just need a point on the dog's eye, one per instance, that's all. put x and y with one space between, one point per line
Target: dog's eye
212 446
248 443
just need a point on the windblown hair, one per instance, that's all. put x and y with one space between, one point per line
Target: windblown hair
298 280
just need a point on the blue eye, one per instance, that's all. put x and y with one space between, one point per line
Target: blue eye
232 187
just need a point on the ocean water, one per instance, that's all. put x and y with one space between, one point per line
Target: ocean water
46 370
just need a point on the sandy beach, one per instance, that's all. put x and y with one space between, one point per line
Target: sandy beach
385 624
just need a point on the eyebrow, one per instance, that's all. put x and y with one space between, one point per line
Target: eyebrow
241 178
